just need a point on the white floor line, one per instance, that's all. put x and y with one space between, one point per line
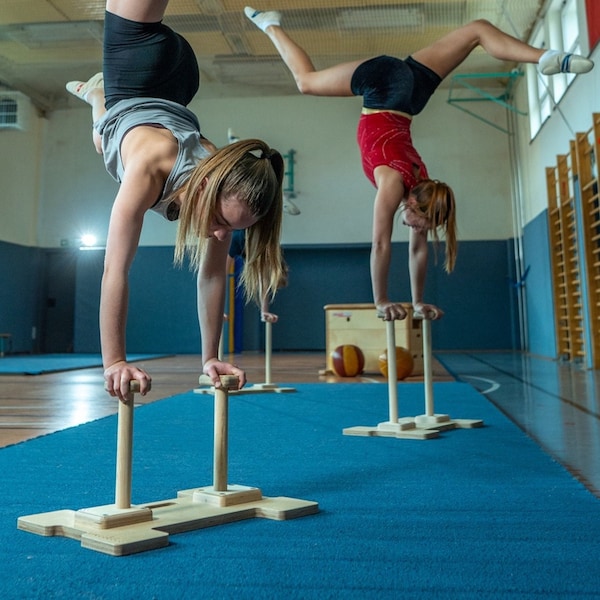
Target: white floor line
369 380
494 385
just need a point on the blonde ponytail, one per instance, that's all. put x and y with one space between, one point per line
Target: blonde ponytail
436 200
251 170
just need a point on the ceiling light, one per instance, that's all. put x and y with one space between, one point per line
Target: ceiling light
380 18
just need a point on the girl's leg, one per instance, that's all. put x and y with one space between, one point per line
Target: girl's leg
98 109
92 92
451 50
145 58
141 11
334 81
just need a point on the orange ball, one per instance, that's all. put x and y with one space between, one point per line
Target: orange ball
404 363
347 360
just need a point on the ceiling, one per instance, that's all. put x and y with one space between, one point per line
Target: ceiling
45 43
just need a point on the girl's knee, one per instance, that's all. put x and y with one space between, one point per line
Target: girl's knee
303 83
481 26
476 27
477 30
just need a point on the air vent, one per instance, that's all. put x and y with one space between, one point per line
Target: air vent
15 110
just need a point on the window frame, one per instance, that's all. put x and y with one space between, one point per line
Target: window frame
556 26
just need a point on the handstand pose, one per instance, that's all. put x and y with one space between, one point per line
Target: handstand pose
394 90
152 145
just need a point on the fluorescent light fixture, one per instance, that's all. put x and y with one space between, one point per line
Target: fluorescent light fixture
210 7
380 18
36 35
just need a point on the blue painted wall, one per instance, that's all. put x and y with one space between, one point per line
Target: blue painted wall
478 297
20 294
538 288
162 303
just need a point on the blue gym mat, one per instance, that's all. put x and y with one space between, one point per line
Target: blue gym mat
476 514
50 363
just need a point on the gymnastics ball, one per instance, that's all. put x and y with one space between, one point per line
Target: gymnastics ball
348 360
404 363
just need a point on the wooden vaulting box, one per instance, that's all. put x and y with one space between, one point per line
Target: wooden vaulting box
359 324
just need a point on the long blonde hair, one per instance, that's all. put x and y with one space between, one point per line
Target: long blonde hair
257 179
435 200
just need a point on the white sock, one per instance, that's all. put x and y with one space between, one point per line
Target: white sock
547 55
263 19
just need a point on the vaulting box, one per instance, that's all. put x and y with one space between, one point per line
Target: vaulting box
359 324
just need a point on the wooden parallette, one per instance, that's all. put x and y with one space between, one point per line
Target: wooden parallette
257 388
120 529
421 427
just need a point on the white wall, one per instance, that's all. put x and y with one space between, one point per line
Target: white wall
54 185
77 193
334 196
22 155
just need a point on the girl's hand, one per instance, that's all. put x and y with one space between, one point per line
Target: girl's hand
268 317
213 367
428 311
118 376
390 311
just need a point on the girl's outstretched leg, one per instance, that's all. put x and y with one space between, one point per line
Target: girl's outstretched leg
334 81
451 50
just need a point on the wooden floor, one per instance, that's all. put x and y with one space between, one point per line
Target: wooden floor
36 405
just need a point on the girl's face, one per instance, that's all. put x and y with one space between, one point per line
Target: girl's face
413 217
231 213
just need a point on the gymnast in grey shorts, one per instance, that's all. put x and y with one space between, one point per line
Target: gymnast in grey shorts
150 76
152 145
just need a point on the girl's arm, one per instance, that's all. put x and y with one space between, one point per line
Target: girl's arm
137 192
389 194
266 316
212 277
417 266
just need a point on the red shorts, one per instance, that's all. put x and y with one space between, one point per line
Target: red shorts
384 139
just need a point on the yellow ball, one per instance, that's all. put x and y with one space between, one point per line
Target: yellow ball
404 363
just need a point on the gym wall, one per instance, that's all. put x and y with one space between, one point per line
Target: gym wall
72 193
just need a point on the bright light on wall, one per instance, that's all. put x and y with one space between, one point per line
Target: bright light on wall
88 240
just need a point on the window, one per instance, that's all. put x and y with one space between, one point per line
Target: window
540 103
559 31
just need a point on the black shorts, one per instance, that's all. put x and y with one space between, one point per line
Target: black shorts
147 60
388 83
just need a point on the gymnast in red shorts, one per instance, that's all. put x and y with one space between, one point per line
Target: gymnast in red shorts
393 91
